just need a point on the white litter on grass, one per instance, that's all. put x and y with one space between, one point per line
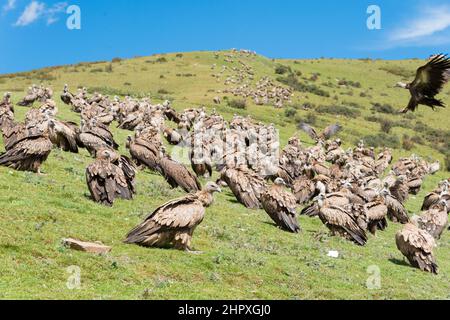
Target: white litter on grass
333 254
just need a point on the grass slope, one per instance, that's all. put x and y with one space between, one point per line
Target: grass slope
245 256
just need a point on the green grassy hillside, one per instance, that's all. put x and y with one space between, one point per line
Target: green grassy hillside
245 256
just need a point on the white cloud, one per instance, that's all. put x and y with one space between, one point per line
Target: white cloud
10 5
36 10
424 28
31 13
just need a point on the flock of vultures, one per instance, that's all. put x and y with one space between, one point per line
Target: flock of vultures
348 190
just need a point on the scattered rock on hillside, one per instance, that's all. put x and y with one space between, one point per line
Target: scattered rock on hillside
90 247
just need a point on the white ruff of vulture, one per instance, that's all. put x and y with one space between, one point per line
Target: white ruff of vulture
177 175
417 246
430 80
107 180
173 224
28 151
281 205
340 222
246 186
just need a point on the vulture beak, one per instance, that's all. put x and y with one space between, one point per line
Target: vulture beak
219 189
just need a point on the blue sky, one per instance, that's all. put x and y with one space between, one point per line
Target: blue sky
33 33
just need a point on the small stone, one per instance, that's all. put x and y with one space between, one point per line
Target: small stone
333 254
91 247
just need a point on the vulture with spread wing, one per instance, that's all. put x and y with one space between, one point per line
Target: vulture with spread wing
325 135
430 79
281 205
417 246
107 181
173 224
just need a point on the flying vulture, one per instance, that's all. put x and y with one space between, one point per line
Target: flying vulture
173 224
107 181
417 246
281 205
430 79
325 135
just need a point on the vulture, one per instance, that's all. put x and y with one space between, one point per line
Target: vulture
396 210
200 165
304 189
417 246
435 196
173 224
107 181
144 152
376 213
177 175
66 96
400 189
95 136
325 135
429 81
29 99
65 135
246 185
339 221
172 136
28 151
434 220
281 205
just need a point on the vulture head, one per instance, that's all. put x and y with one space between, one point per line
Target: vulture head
279 182
105 154
212 187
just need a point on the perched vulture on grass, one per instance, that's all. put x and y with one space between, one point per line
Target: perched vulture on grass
430 79
417 246
376 215
95 136
281 205
246 186
172 136
173 224
434 220
436 196
29 99
28 151
108 181
304 189
144 152
65 135
66 96
325 135
177 175
400 189
340 222
396 210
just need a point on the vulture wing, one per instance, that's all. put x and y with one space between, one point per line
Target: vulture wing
281 207
176 215
431 78
309 130
331 131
